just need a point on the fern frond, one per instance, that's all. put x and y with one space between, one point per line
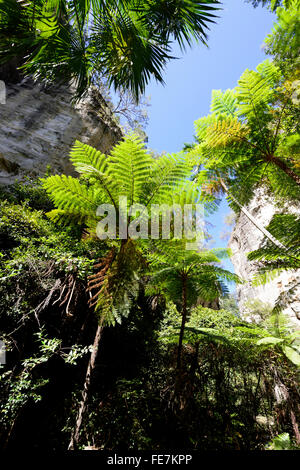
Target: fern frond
167 173
202 124
225 130
255 88
262 278
87 160
68 194
287 297
129 167
184 193
223 102
64 217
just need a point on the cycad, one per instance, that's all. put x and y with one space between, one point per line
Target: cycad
187 276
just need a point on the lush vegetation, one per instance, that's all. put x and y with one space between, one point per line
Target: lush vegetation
131 342
125 42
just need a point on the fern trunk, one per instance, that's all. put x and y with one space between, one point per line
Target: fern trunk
87 383
295 427
286 169
183 321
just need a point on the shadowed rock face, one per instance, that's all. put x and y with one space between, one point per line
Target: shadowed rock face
38 126
245 238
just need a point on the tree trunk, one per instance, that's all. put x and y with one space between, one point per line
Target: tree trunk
252 219
286 169
194 363
183 321
83 404
295 427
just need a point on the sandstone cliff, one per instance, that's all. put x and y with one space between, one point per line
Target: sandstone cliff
38 126
246 237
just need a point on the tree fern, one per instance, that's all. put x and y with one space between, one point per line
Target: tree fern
185 277
284 41
225 129
129 166
247 136
129 172
87 160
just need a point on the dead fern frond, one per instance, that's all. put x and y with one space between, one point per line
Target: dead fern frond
96 280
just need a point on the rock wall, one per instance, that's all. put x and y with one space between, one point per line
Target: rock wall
38 126
246 237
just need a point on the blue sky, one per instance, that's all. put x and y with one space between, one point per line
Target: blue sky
235 43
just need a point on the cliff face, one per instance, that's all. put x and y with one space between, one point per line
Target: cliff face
246 237
39 125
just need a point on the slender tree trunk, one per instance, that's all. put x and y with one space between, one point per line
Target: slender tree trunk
295 427
87 383
195 361
183 321
252 219
95 282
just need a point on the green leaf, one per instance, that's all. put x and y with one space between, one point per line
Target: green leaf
270 340
292 355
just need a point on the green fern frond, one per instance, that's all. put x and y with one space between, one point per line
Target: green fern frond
223 102
129 167
87 160
262 278
286 298
225 130
286 228
255 88
202 124
167 173
68 194
64 217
